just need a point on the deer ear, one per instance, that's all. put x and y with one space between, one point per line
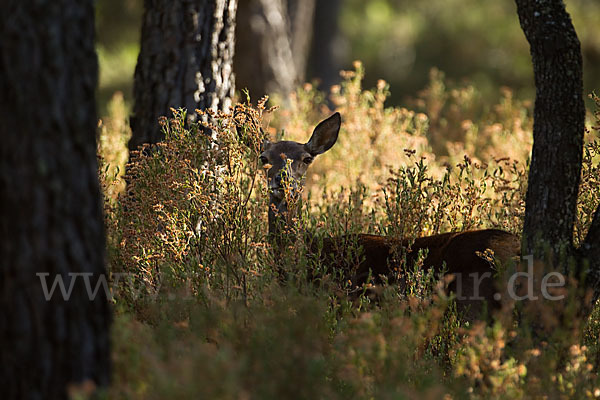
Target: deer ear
325 135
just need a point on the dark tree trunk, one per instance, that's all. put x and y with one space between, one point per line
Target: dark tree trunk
50 201
589 252
264 62
559 121
559 117
326 50
185 60
301 15
273 42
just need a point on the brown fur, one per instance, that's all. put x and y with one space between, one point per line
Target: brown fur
289 161
458 251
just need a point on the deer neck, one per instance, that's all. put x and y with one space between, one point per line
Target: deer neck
279 219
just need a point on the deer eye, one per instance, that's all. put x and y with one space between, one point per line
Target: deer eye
307 160
264 160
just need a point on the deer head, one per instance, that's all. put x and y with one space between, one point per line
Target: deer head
286 163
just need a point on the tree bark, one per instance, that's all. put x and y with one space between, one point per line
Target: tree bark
185 60
559 117
274 41
265 63
51 222
559 122
301 15
589 252
326 51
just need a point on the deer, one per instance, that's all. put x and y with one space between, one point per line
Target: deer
456 254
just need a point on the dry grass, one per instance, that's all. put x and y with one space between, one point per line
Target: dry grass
205 315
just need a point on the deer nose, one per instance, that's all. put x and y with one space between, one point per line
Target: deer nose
276 192
275 187
275 182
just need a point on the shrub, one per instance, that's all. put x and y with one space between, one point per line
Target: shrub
204 313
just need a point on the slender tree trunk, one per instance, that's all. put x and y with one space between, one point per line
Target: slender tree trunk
559 121
326 50
559 116
273 43
265 64
589 253
51 224
185 60
301 16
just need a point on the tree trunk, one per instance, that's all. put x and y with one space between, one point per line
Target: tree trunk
51 225
589 252
301 16
185 60
273 42
559 117
559 122
326 50
265 63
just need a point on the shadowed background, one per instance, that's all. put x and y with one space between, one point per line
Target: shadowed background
397 40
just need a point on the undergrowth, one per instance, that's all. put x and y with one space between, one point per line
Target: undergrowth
201 311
